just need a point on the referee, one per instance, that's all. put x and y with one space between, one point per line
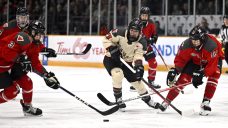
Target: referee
224 36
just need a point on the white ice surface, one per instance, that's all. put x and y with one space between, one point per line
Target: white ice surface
60 110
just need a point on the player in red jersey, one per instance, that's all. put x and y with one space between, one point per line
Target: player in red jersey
20 24
199 56
14 68
149 30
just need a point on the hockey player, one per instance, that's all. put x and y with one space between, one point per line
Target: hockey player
12 47
224 36
130 45
199 56
20 24
149 30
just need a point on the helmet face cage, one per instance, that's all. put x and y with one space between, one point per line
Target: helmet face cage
198 33
135 24
144 10
22 17
36 28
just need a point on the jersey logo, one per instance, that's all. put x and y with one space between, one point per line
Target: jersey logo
1 32
11 44
213 54
20 38
108 36
114 30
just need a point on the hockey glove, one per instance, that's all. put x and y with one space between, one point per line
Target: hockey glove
149 55
51 52
115 53
51 81
153 39
197 78
139 68
171 76
25 63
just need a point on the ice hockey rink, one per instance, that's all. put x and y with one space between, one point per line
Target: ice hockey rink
61 110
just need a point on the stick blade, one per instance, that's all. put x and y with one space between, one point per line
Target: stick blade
103 99
110 111
88 47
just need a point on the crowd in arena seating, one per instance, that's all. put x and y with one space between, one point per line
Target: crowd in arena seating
79 18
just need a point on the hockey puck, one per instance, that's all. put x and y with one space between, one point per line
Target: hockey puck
105 120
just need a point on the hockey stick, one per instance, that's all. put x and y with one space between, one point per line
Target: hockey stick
151 87
167 67
109 103
88 47
104 113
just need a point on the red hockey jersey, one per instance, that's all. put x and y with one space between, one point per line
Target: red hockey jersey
9 28
33 55
207 57
149 30
11 47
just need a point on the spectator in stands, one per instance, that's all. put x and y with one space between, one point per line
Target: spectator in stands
176 10
159 30
204 24
103 29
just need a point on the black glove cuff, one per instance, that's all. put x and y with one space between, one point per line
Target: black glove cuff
113 49
138 63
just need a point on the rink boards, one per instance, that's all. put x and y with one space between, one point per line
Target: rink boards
167 46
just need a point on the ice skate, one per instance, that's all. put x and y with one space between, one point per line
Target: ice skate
122 105
163 106
156 86
205 109
29 110
150 102
153 104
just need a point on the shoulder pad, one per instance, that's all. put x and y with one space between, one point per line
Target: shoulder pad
186 44
22 38
10 25
210 45
143 41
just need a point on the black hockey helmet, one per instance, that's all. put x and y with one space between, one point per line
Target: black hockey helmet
36 27
197 33
22 11
135 24
22 17
144 10
225 17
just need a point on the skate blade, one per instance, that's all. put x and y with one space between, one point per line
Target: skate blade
31 115
204 113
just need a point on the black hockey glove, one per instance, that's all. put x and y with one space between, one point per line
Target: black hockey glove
51 80
25 63
139 68
149 55
51 52
153 39
197 78
171 76
115 53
